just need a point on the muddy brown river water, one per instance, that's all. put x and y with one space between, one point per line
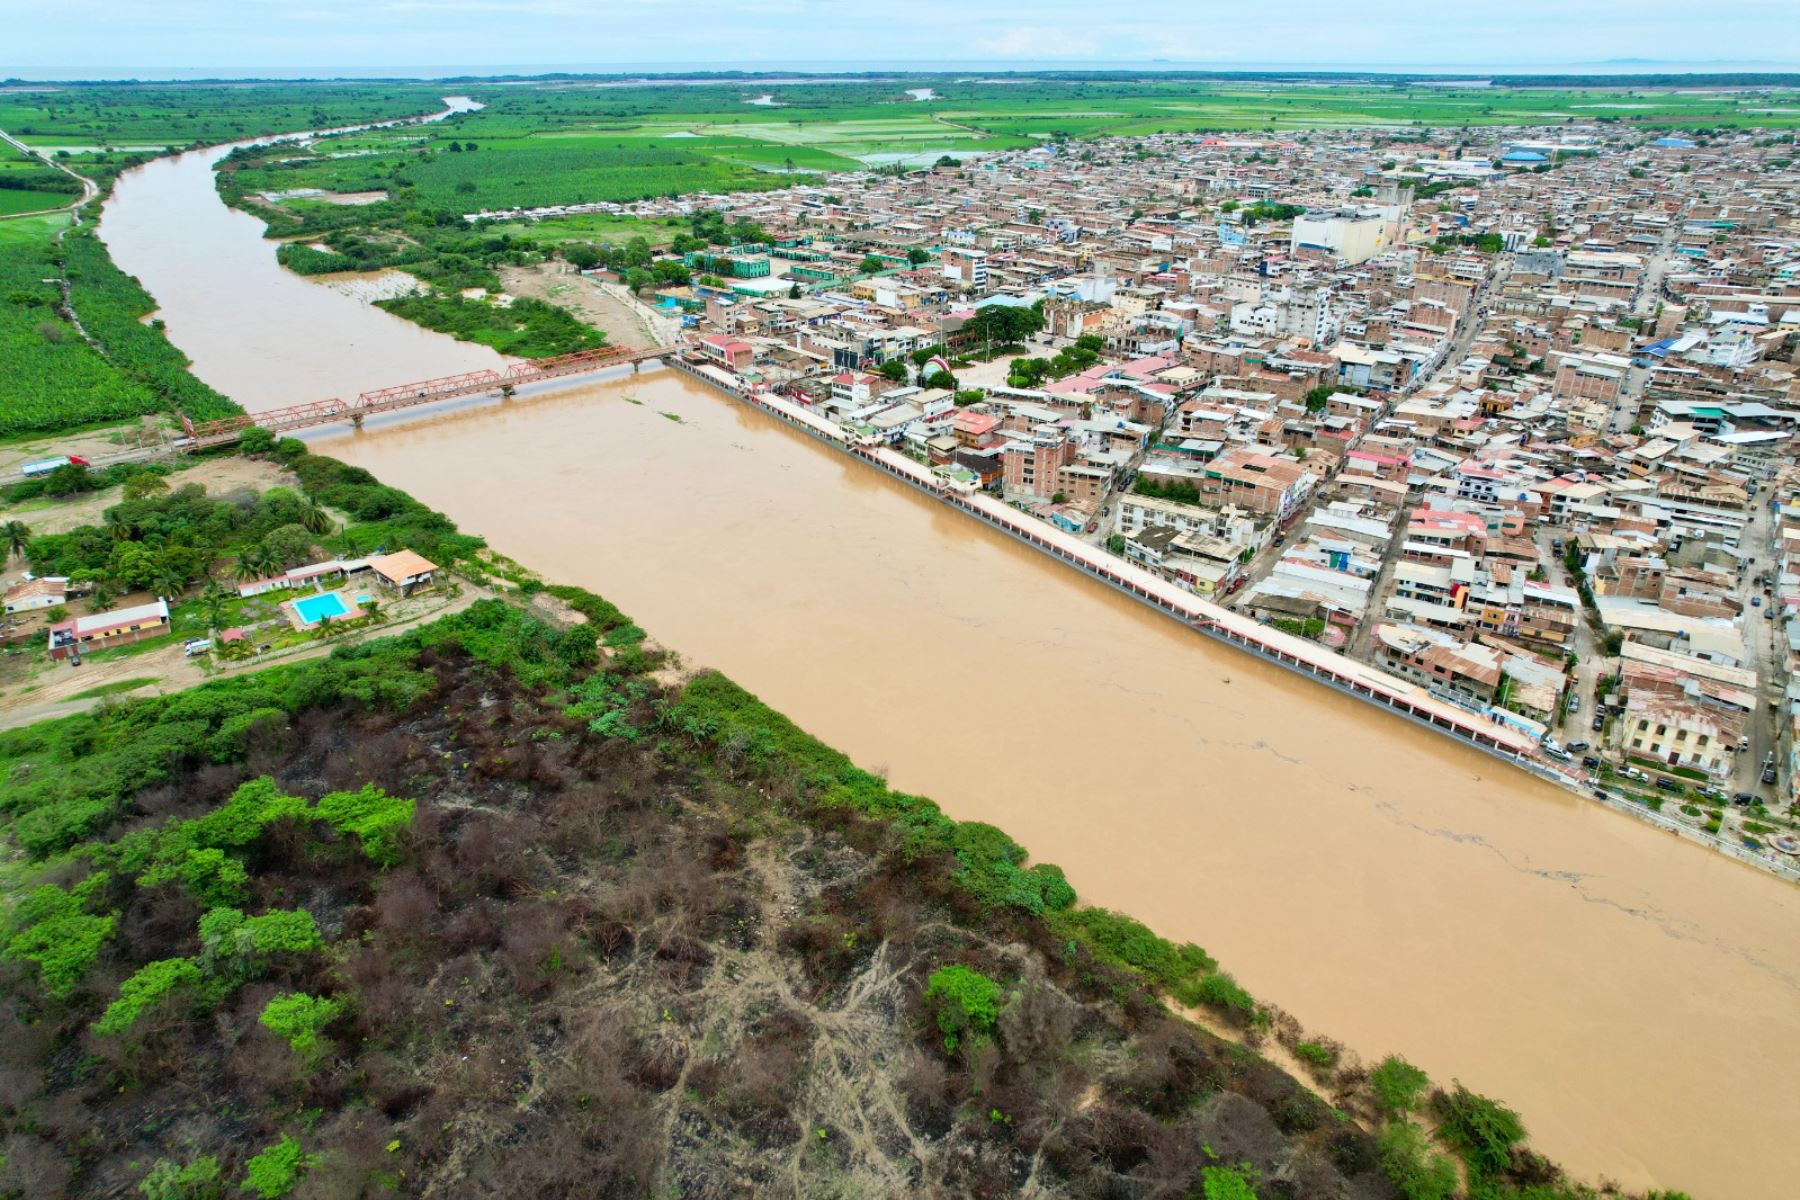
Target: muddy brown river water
1635 996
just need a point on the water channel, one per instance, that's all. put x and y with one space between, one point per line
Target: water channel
1635 996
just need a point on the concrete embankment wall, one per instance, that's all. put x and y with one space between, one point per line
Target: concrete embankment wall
1347 675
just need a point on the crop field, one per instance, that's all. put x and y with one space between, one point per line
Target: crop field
595 227
182 114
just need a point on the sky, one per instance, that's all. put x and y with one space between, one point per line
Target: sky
175 38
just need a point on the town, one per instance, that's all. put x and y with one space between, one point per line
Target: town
1508 414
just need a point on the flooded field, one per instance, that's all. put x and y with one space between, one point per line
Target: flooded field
1638 998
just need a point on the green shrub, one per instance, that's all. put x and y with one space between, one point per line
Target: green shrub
1397 1085
1228 1183
1417 1171
273 1173
376 818
1122 941
239 946
1484 1130
55 933
152 984
1315 1055
300 1019
213 878
1219 990
199 1180
968 1003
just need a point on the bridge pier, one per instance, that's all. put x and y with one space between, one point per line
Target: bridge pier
506 391
357 420
635 364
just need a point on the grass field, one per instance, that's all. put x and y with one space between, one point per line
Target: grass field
564 143
51 378
181 114
595 227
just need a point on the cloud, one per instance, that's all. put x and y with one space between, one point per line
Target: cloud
1032 41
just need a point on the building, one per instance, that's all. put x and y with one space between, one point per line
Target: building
731 353
404 571
36 594
100 630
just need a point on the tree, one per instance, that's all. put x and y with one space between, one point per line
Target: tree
17 535
942 380
314 519
917 255
144 485
871 264
581 256
214 601
255 440
288 545
894 369
252 563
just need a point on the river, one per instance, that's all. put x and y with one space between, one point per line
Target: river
1635 996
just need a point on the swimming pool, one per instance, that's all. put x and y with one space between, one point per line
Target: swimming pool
313 609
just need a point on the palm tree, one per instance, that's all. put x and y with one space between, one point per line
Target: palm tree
17 535
215 599
314 519
253 562
168 582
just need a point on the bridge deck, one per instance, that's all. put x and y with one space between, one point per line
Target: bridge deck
409 395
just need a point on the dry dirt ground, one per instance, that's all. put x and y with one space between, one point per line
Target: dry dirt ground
51 691
218 476
584 297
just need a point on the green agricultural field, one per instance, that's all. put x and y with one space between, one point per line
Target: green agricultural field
50 377
23 202
181 114
595 227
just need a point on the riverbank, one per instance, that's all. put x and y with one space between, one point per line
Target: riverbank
1305 658
1218 797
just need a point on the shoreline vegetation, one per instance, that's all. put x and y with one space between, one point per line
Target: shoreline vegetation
641 912
642 903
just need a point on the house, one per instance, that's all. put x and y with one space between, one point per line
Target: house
34 594
100 630
404 571
296 577
732 353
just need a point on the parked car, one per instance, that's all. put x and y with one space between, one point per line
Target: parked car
1591 761
1574 704
1667 784
1743 799
1756 602
1768 614
1634 773
1768 775
1743 743
1713 794
1599 722
1576 747
197 646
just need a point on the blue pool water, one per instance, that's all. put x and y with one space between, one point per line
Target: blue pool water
313 609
